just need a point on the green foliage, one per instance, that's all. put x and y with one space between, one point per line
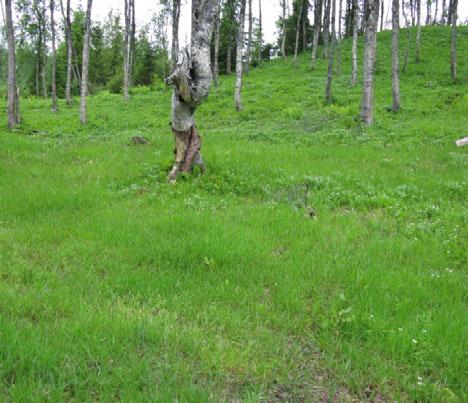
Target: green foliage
316 257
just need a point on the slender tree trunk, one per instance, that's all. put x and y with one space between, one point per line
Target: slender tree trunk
216 48
260 32
428 12
418 32
13 113
249 40
444 13
340 12
381 15
408 33
296 47
328 90
67 22
132 44
84 69
413 12
354 45
229 56
44 79
192 81
317 27
453 45
283 30
371 17
395 62
128 11
175 32
436 11
305 7
54 58
326 29
240 47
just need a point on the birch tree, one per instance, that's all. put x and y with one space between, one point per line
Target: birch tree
84 68
317 27
339 35
354 44
328 90
240 48
249 39
371 18
453 45
54 58
13 101
298 27
66 15
191 80
129 37
326 28
395 61
175 31
216 45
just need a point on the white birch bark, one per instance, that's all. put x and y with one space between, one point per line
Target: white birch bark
13 117
298 27
54 58
216 45
249 40
84 72
260 33
328 90
67 23
317 26
395 56
283 30
354 44
175 32
192 81
240 49
371 18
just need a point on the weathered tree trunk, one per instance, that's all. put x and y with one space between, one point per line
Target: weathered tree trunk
249 40
395 61
326 29
354 45
298 26
453 45
317 27
371 17
84 69
418 32
54 58
240 48
192 81
328 90
175 32
67 22
260 32
283 30
13 116
436 11
216 47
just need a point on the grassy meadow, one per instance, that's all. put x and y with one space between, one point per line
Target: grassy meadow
316 258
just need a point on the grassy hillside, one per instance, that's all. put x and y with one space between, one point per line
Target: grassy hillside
316 258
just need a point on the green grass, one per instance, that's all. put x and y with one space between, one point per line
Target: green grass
117 285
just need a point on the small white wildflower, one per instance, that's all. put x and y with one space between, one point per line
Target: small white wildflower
400 329
372 316
414 341
420 383
449 270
